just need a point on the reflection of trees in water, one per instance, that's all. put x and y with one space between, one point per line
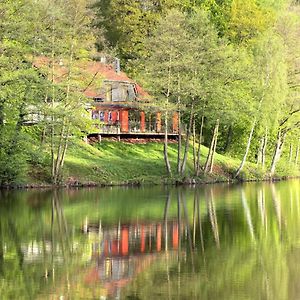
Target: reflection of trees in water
242 268
36 251
28 250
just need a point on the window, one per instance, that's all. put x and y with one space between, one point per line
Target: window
98 99
95 115
101 116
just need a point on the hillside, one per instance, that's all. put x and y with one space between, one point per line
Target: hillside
112 162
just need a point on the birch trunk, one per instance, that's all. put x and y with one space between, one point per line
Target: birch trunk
259 152
291 153
166 156
263 154
194 143
179 143
297 154
211 148
197 171
247 150
278 150
214 150
187 144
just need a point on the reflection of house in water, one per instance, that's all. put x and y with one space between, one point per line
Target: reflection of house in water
124 251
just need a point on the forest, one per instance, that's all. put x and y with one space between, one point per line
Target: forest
230 68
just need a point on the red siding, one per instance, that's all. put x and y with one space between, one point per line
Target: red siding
143 127
175 122
158 122
124 121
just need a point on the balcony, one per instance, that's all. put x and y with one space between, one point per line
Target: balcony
134 131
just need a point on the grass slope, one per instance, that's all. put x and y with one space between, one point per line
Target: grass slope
120 162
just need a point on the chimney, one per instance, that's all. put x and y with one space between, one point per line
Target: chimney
117 65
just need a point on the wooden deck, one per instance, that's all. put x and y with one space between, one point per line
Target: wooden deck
132 135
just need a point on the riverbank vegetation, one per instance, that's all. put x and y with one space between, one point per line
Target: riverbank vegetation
230 68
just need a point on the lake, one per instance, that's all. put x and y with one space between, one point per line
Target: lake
208 242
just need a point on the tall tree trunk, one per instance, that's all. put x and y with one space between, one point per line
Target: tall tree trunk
247 150
228 138
187 142
291 153
1 113
179 143
214 151
259 152
264 149
211 148
52 139
166 156
197 171
297 154
278 149
61 159
194 144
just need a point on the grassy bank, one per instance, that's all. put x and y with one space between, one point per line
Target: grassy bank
125 163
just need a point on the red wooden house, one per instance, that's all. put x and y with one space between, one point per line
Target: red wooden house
119 104
120 107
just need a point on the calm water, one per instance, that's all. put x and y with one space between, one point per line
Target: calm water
212 242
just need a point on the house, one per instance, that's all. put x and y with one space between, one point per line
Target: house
119 106
123 107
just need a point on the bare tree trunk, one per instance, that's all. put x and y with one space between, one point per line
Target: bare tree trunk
297 154
278 149
194 143
187 143
228 139
179 143
214 151
63 154
264 149
166 156
58 154
291 153
259 151
247 150
211 149
197 171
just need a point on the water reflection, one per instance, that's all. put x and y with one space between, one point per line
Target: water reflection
212 242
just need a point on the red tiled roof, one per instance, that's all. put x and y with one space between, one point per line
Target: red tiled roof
98 70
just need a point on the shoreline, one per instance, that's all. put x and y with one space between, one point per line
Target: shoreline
141 183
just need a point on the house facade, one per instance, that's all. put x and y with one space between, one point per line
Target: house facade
121 107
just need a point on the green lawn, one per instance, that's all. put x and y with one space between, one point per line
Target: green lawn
120 162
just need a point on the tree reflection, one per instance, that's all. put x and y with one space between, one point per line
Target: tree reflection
66 245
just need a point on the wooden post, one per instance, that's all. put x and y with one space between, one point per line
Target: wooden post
158 122
142 125
124 121
106 116
175 122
